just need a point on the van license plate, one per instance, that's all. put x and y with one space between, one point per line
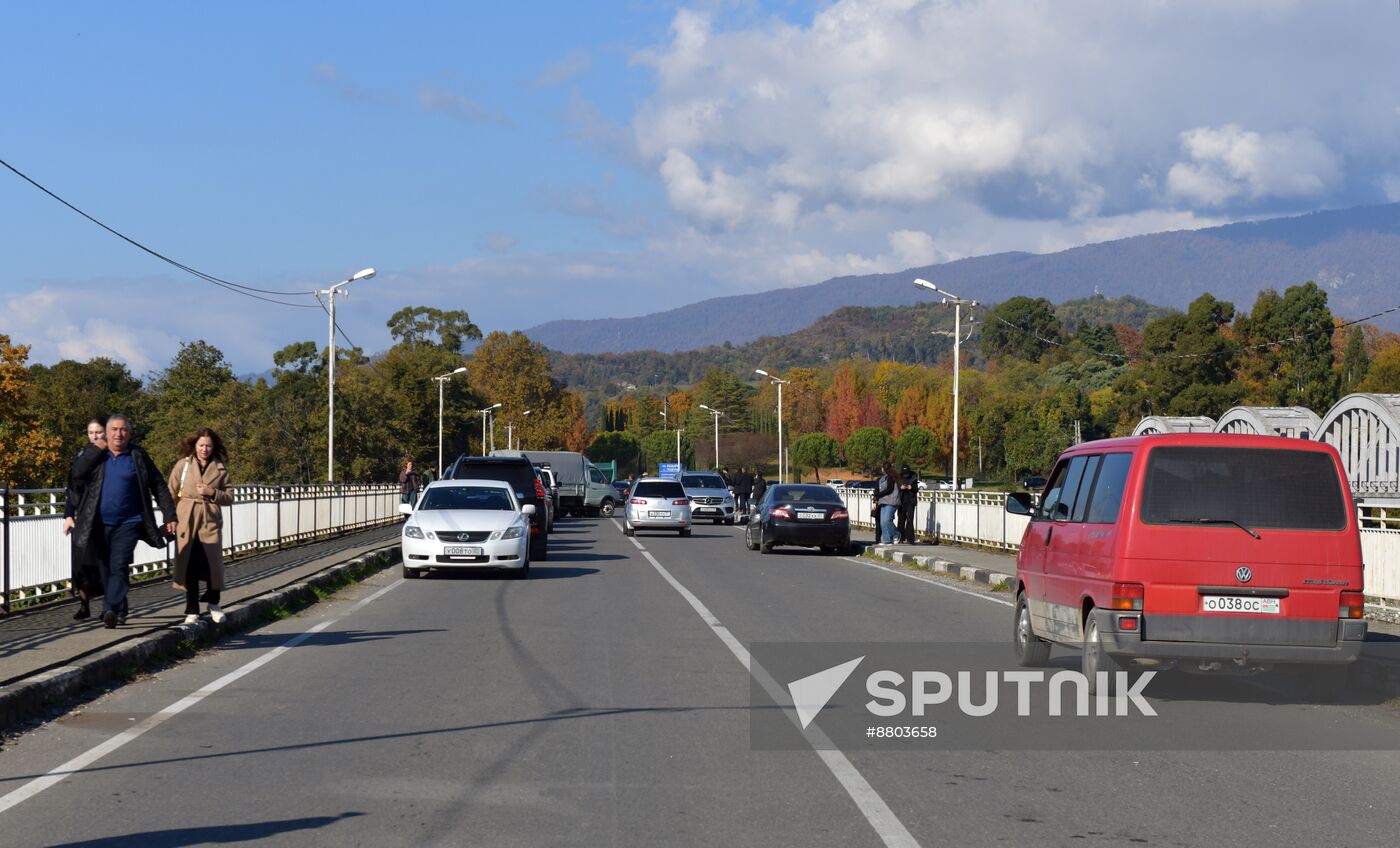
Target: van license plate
458 550
1240 603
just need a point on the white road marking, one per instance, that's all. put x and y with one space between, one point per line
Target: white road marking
931 581
92 755
882 819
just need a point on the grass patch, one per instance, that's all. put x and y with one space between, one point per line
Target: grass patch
1002 586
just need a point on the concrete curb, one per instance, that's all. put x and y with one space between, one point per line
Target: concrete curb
941 566
33 696
1380 675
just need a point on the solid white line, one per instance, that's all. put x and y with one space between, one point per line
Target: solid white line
92 755
930 581
882 819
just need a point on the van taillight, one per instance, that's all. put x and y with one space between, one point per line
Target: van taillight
1353 605
1127 596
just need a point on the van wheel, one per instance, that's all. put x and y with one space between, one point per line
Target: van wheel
1096 659
606 508
1031 650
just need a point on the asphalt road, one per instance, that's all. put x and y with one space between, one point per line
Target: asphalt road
606 701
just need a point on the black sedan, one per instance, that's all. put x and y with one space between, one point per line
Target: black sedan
805 515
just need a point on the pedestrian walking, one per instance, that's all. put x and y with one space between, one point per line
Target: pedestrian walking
887 497
908 502
199 484
743 484
85 581
115 513
409 482
760 486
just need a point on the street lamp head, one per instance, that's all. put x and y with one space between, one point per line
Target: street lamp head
526 412
494 406
706 408
364 274
459 370
925 284
760 371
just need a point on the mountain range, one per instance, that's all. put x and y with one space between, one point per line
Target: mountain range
1352 253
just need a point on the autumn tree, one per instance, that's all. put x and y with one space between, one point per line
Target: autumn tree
843 404
1355 362
917 448
67 394
513 370
181 399
28 452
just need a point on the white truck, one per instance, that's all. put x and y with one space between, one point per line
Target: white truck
582 487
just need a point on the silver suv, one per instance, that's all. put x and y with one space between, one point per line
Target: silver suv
709 496
657 503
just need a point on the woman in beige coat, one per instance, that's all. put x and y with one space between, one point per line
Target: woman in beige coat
199 484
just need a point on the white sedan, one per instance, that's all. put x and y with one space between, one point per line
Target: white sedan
467 524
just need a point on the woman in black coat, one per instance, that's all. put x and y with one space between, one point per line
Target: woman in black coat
85 581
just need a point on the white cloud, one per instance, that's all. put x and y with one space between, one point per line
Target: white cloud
574 63
496 242
714 200
435 98
1229 162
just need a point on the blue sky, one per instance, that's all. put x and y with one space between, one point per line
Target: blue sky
528 162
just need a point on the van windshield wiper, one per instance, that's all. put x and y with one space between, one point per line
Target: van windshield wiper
1214 521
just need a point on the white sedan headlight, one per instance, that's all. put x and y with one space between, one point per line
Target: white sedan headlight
412 531
515 531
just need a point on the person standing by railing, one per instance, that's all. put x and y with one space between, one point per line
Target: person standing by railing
409 482
115 513
908 502
199 483
887 498
85 580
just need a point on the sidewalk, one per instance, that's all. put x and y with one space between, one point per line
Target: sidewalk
44 653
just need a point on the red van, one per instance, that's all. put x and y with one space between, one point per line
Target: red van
1209 552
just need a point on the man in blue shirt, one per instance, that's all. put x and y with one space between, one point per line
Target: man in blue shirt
116 513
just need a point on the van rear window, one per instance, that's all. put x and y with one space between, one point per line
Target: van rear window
1257 487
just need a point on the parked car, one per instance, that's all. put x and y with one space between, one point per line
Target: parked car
524 481
657 503
551 487
467 524
1208 552
836 483
804 514
1033 484
709 496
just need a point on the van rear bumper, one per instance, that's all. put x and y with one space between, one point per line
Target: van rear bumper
1127 644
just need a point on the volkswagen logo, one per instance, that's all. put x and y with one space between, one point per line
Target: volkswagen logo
1243 574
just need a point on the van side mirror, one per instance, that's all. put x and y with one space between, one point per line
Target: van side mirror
527 509
406 509
1018 503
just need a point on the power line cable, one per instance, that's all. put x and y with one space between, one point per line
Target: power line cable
238 288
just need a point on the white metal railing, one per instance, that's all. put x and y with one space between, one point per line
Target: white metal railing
37 556
981 519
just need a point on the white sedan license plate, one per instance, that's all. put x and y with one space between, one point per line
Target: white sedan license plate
812 516
1240 603
659 513
461 550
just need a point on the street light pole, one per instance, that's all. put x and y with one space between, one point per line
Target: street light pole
957 358
330 294
441 381
485 451
782 457
512 424
716 413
